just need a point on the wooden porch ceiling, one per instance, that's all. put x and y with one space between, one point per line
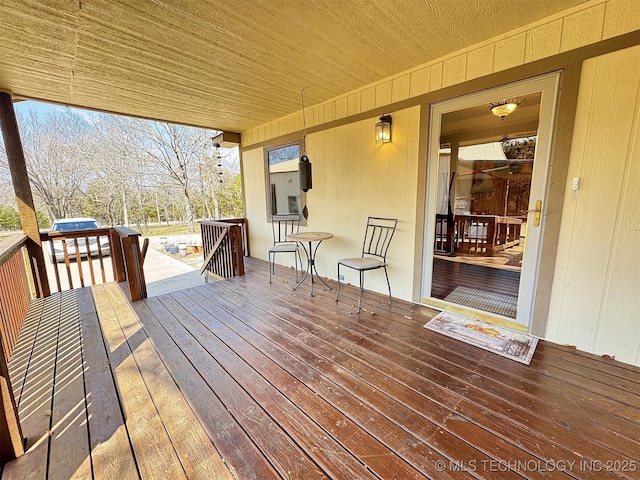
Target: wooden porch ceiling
232 65
242 379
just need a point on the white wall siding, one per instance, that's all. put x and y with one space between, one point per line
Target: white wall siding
353 178
595 302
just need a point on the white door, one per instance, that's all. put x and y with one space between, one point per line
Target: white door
488 198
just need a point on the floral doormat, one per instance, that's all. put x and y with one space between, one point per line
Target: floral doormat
508 343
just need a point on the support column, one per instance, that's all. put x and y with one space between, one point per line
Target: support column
22 189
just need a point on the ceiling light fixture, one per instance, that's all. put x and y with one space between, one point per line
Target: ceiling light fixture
505 107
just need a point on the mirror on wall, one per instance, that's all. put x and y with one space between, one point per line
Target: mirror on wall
284 184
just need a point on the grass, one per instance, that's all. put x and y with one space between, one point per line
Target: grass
164 230
151 231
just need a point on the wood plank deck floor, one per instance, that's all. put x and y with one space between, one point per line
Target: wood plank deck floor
240 379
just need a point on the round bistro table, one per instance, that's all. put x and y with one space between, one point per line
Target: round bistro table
310 237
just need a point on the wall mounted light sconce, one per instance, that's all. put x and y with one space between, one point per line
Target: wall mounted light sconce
505 107
383 129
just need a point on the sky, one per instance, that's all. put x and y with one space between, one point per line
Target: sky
40 107
43 108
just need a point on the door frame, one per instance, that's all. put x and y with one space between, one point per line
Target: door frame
549 86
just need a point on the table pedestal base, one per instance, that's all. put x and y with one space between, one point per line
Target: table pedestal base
311 267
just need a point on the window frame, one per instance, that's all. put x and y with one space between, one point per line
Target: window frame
268 184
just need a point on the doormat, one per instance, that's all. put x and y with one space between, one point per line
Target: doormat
488 301
507 343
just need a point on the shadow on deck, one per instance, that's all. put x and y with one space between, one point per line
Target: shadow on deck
243 379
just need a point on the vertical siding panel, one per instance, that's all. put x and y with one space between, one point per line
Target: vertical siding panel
411 172
401 88
620 17
509 52
330 112
353 104
268 131
332 204
342 109
260 234
354 174
368 99
597 278
319 190
436 76
562 318
543 41
318 115
454 70
619 328
398 165
342 184
402 187
582 28
377 167
420 80
480 62
384 93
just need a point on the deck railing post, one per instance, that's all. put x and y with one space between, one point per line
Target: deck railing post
235 233
132 262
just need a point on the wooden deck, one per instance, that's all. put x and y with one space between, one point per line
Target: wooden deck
240 379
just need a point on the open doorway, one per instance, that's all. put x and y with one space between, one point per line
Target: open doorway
487 182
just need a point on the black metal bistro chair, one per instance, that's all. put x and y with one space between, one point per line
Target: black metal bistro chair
283 225
377 239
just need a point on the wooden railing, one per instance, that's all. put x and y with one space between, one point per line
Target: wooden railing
223 246
128 261
94 244
244 226
15 291
16 294
90 249
15 297
484 235
481 235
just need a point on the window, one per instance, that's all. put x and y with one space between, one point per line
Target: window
284 195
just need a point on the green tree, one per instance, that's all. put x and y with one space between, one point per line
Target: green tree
230 199
9 218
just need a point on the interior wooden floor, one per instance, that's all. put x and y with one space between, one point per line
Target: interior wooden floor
448 274
240 379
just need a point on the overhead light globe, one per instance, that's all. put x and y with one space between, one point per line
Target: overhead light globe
505 107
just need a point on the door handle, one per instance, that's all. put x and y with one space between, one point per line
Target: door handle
536 213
